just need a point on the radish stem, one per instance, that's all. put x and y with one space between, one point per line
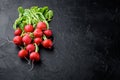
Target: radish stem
36 50
44 37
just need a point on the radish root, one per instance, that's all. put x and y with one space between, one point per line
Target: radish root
28 61
8 41
32 66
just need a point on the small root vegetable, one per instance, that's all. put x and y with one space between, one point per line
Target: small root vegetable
41 25
27 39
48 33
47 43
28 28
23 53
34 56
30 48
17 40
38 41
18 32
38 33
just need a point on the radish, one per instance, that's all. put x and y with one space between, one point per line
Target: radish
28 28
37 33
48 33
34 56
47 43
27 39
17 40
30 48
23 53
38 41
18 32
41 25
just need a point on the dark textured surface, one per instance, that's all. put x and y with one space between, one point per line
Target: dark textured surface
86 38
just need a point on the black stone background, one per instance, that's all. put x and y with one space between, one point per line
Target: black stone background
86 41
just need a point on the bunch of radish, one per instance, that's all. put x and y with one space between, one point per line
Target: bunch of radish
30 38
31 31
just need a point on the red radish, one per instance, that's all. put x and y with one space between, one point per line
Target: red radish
48 33
28 28
41 25
17 40
27 39
23 53
30 47
37 33
38 41
18 32
35 56
47 43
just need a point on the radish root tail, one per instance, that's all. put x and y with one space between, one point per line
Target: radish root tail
9 40
28 61
32 66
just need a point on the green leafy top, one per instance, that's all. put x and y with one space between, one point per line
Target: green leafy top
33 16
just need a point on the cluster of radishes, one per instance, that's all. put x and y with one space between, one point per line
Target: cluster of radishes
30 38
